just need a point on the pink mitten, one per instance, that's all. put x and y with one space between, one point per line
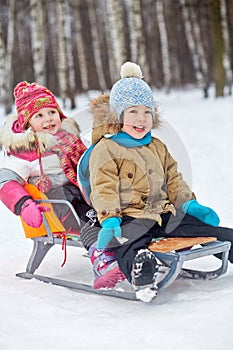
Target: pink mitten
31 213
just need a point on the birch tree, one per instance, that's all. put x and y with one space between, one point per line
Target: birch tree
132 33
62 68
140 40
69 54
226 43
116 40
111 41
174 32
66 73
164 45
38 40
52 42
2 62
200 51
117 31
8 76
219 71
96 45
200 78
81 52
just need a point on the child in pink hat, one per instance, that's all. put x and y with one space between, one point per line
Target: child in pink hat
42 147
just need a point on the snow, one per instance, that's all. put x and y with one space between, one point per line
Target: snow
189 314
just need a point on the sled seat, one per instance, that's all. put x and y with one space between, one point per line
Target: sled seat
171 252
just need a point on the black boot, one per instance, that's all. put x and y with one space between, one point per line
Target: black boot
144 275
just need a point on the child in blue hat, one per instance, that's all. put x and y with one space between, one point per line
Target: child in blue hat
136 189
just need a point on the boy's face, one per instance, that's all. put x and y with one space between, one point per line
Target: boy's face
46 120
137 121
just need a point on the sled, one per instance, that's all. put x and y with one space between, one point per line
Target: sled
171 252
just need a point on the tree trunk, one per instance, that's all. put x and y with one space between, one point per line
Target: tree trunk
192 46
8 77
164 44
120 39
69 55
132 33
219 72
81 52
226 41
38 40
112 42
66 72
2 63
52 41
140 40
96 45
200 51
62 63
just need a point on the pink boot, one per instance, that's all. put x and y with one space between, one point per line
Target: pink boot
106 270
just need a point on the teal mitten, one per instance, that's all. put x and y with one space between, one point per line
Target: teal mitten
110 228
204 214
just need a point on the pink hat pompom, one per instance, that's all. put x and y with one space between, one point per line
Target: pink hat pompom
20 87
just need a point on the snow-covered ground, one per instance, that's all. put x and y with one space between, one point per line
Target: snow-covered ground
187 315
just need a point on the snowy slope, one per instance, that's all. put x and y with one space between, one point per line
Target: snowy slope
187 315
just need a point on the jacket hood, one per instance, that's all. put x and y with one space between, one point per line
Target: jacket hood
105 122
25 141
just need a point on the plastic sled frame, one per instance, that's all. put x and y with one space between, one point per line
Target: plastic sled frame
172 261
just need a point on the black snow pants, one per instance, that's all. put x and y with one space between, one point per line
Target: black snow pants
180 225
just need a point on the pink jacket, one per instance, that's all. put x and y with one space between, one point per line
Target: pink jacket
59 157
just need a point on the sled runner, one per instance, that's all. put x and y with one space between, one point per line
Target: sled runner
171 252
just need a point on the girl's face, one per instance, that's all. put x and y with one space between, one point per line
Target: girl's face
46 120
137 121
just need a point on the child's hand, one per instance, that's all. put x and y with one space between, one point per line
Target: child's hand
205 214
110 228
31 213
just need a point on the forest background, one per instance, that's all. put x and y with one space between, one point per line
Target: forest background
74 46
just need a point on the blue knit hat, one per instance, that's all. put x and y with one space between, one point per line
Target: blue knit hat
131 91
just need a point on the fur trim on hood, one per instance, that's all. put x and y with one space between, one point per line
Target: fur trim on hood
105 122
25 141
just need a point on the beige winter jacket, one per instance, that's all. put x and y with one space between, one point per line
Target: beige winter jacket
142 182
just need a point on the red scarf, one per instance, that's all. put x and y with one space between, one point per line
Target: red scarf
69 149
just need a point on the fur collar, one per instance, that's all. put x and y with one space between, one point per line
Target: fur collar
105 122
26 140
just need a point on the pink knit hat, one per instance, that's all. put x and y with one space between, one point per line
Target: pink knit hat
29 99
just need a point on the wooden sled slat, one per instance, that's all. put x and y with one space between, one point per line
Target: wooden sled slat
166 245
